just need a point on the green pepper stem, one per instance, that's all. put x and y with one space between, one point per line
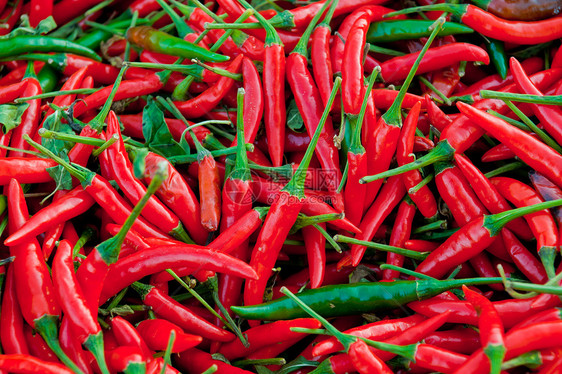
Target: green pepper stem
494 223
356 147
443 151
50 134
186 159
296 185
495 353
547 256
94 344
504 169
511 121
392 115
540 133
440 224
522 98
46 326
104 146
81 175
302 45
382 247
212 369
406 271
423 182
329 15
303 220
328 238
262 361
98 121
241 169
168 352
57 93
181 26
86 235
457 9
271 36
135 368
531 359
109 249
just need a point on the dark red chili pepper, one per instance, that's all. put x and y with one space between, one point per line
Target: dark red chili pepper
169 309
11 319
548 191
156 334
464 341
521 10
489 195
523 258
12 91
491 328
74 305
67 207
30 118
73 347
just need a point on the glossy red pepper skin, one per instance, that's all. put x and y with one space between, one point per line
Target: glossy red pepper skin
400 233
548 191
13 91
140 264
169 309
281 215
531 151
35 289
23 363
310 106
392 192
463 341
423 198
275 112
353 89
437 58
208 100
25 170
365 361
156 334
355 191
178 196
30 119
73 348
321 62
253 100
127 89
126 335
315 244
525 261
122 170
542 224
380 331
11 319
67 207
195 361
259 337
489 196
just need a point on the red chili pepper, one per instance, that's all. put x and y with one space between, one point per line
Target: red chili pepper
464 341
315 244
12 91
195 360
489 195
320 56
127 335
11 319
122 170
400 233
37 346
422 198
31 116
491 328
169 309
542 224
253 100
353 89
548 191
125 359
65 208
390 195
23 363
10 17
156 333
208 100
73 347
259 337
74 305
523 258
380 331
470 240
365 361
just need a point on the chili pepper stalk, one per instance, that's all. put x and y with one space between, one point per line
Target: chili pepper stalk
281 216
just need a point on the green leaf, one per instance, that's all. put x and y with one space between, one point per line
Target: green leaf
60 175
46 25
262 370
156 132
294 118
122 310
10 115
297 363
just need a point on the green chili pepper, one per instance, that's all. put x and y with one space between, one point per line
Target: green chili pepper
33 43
48 79
161 42
391 31
356 298
496 51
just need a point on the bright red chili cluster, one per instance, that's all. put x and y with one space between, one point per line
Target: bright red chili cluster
174 173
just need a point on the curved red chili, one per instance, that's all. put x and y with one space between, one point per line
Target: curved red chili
156 334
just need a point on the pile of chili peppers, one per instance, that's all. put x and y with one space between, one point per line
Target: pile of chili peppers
329 186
